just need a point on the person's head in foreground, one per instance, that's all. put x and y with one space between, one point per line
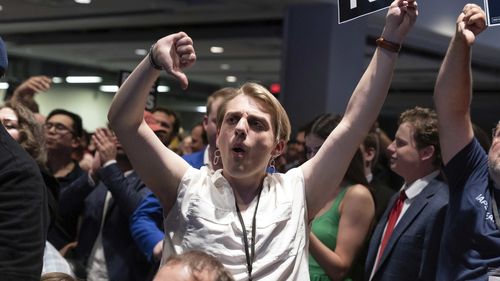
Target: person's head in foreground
193 266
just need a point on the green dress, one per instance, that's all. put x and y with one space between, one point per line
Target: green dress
325 227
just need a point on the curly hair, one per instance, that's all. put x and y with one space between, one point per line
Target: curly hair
31 136
425 124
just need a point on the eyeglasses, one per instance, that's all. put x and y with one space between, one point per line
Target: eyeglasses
59 127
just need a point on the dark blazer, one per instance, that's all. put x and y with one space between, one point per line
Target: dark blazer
412 250
23 213
123 259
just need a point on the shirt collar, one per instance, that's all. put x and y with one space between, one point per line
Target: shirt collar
206 158
128 173
417 186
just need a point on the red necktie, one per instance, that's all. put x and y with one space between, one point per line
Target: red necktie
391 223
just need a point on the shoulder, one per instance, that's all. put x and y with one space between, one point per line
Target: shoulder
294 173
358 193
437 192
356 198
470 157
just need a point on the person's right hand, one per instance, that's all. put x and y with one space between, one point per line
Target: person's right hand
400 18
471 22
175 53
33 85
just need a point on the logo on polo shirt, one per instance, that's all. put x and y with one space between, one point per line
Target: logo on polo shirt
484 203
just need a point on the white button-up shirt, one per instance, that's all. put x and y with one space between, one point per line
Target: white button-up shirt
204 218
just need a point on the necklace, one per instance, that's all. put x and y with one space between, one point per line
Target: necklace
250 256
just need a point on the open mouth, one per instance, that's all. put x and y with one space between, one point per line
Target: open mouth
239 150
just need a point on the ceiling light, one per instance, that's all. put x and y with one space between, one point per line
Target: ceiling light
57 80
141 52
4 85
216 50
108 88
83 1
201 109
163 89
1 8
83 79
225 66
231 79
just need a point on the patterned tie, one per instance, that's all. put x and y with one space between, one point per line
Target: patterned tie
391 223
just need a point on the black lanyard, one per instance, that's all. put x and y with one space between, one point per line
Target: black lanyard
250 256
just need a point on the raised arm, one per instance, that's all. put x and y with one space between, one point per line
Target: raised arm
160 168
328 166
453 91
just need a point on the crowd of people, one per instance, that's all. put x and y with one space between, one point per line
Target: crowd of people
239 199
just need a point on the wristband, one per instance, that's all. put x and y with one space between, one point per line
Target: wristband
388 45
152 60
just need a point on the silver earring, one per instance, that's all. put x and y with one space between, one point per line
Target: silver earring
272 167
216 159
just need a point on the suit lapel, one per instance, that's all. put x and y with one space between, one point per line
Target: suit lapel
410 216
377 234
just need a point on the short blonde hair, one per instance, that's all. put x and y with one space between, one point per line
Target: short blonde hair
279 118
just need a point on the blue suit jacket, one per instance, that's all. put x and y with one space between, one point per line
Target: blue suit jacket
412 251
146 225
195 159
124 261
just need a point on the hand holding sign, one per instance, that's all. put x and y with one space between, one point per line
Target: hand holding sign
470 22
174 53
399 20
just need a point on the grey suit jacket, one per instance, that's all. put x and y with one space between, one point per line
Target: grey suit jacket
412 251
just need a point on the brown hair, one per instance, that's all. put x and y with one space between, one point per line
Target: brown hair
198 262
322 126
221 93
57 276
279 118
372 141
425 124
31 136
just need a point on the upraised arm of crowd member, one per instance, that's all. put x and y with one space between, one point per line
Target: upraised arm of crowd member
329 165
453 90
160 168
31 86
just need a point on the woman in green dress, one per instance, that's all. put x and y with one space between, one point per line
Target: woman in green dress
341 228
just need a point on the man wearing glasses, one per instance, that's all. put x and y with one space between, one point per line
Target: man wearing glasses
470 247
62 135
62 132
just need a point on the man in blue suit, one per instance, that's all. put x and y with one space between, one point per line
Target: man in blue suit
405 242
105 200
